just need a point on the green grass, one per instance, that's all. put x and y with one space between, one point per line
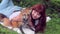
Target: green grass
6 31
53 27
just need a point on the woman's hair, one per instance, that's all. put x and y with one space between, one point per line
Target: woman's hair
42 20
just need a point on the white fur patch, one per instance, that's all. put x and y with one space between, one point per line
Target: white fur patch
28 31
17 30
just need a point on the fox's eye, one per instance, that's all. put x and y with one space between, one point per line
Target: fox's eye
28 14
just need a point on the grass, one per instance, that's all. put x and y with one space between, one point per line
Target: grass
53 26
6 31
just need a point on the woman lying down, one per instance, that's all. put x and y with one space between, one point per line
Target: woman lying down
36 20
16 20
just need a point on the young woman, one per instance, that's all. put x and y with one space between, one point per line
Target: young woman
38 18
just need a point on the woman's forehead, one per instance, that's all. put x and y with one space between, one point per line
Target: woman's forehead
39 11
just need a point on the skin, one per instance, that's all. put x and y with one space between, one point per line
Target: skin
35 15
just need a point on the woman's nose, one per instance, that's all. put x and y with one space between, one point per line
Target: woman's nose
35 14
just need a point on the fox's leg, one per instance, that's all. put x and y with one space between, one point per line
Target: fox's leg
14 24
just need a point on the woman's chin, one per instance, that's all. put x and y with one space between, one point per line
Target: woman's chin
35 18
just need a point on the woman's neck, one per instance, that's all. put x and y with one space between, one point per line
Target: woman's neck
36 22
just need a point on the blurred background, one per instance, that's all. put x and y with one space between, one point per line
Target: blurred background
52 10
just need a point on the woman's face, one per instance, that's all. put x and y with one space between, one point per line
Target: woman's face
35 14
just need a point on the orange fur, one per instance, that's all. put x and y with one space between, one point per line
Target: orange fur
6 22
20 16
19 20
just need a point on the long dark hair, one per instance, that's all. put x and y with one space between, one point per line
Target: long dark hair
42 20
